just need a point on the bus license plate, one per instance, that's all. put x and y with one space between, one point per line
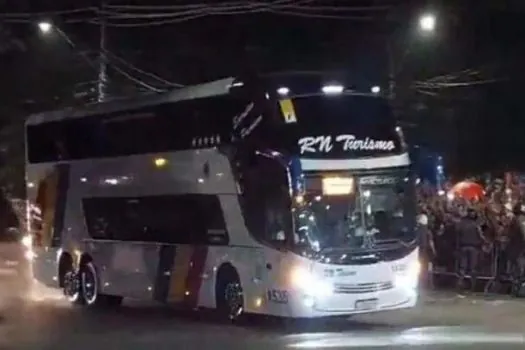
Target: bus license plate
368 304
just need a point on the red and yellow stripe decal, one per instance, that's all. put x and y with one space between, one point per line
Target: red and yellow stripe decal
186 275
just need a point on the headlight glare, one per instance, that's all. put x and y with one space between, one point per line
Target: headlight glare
304 280
27 241
409 276
301 278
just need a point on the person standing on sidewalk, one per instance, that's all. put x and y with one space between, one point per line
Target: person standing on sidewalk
427 251
470 242
516 250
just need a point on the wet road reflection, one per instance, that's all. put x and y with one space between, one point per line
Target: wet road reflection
40 319
413 337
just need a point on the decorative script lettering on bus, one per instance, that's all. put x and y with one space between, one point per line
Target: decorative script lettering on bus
238 122
347 142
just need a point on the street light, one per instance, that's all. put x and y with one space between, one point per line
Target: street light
45 27
375 89
427 23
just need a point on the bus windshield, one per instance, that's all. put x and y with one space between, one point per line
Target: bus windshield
379 209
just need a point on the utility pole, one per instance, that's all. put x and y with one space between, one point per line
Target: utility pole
103 64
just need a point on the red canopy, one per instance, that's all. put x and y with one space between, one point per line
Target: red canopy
468 190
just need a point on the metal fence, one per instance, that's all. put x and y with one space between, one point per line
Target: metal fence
491 270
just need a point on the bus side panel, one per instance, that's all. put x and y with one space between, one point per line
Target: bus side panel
270 290
260 268
166 273
126 268
242 252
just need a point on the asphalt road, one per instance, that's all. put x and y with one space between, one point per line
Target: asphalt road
35 318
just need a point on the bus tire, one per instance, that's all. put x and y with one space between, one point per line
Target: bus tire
71 286
229 296
90 284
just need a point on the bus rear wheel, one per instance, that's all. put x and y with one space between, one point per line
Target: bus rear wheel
229 296
89 283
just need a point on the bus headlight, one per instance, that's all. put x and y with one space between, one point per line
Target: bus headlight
304 280
409 276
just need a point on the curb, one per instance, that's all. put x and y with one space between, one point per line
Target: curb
486 299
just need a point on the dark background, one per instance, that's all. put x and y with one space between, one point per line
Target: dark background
459 90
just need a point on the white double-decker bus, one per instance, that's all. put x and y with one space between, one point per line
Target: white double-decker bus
268 196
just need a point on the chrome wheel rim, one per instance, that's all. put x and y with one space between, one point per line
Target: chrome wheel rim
71 286
234 299
89 284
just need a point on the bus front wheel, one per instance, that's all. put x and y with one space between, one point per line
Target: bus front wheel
229 295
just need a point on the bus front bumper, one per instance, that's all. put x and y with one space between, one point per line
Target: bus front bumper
304 305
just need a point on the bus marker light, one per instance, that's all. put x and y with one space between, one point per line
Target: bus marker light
160 162
333 89
283 91
258 302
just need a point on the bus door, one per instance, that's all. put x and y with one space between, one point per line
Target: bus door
266 205
278 235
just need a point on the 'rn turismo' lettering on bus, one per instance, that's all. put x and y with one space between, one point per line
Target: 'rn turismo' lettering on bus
314 144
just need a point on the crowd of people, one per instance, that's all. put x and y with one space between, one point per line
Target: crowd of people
477 233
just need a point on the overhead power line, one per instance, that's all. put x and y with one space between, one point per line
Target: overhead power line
135 80
286 8
141 71
427 85
122 15
237 5
465 78
29 15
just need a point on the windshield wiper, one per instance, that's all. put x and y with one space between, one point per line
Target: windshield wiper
394 241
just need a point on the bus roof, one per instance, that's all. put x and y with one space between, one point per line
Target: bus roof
213 88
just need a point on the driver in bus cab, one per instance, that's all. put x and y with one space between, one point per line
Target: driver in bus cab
275 225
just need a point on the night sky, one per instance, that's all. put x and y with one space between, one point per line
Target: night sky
474 115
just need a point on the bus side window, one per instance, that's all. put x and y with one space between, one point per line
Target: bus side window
209 213
98 220
170 219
